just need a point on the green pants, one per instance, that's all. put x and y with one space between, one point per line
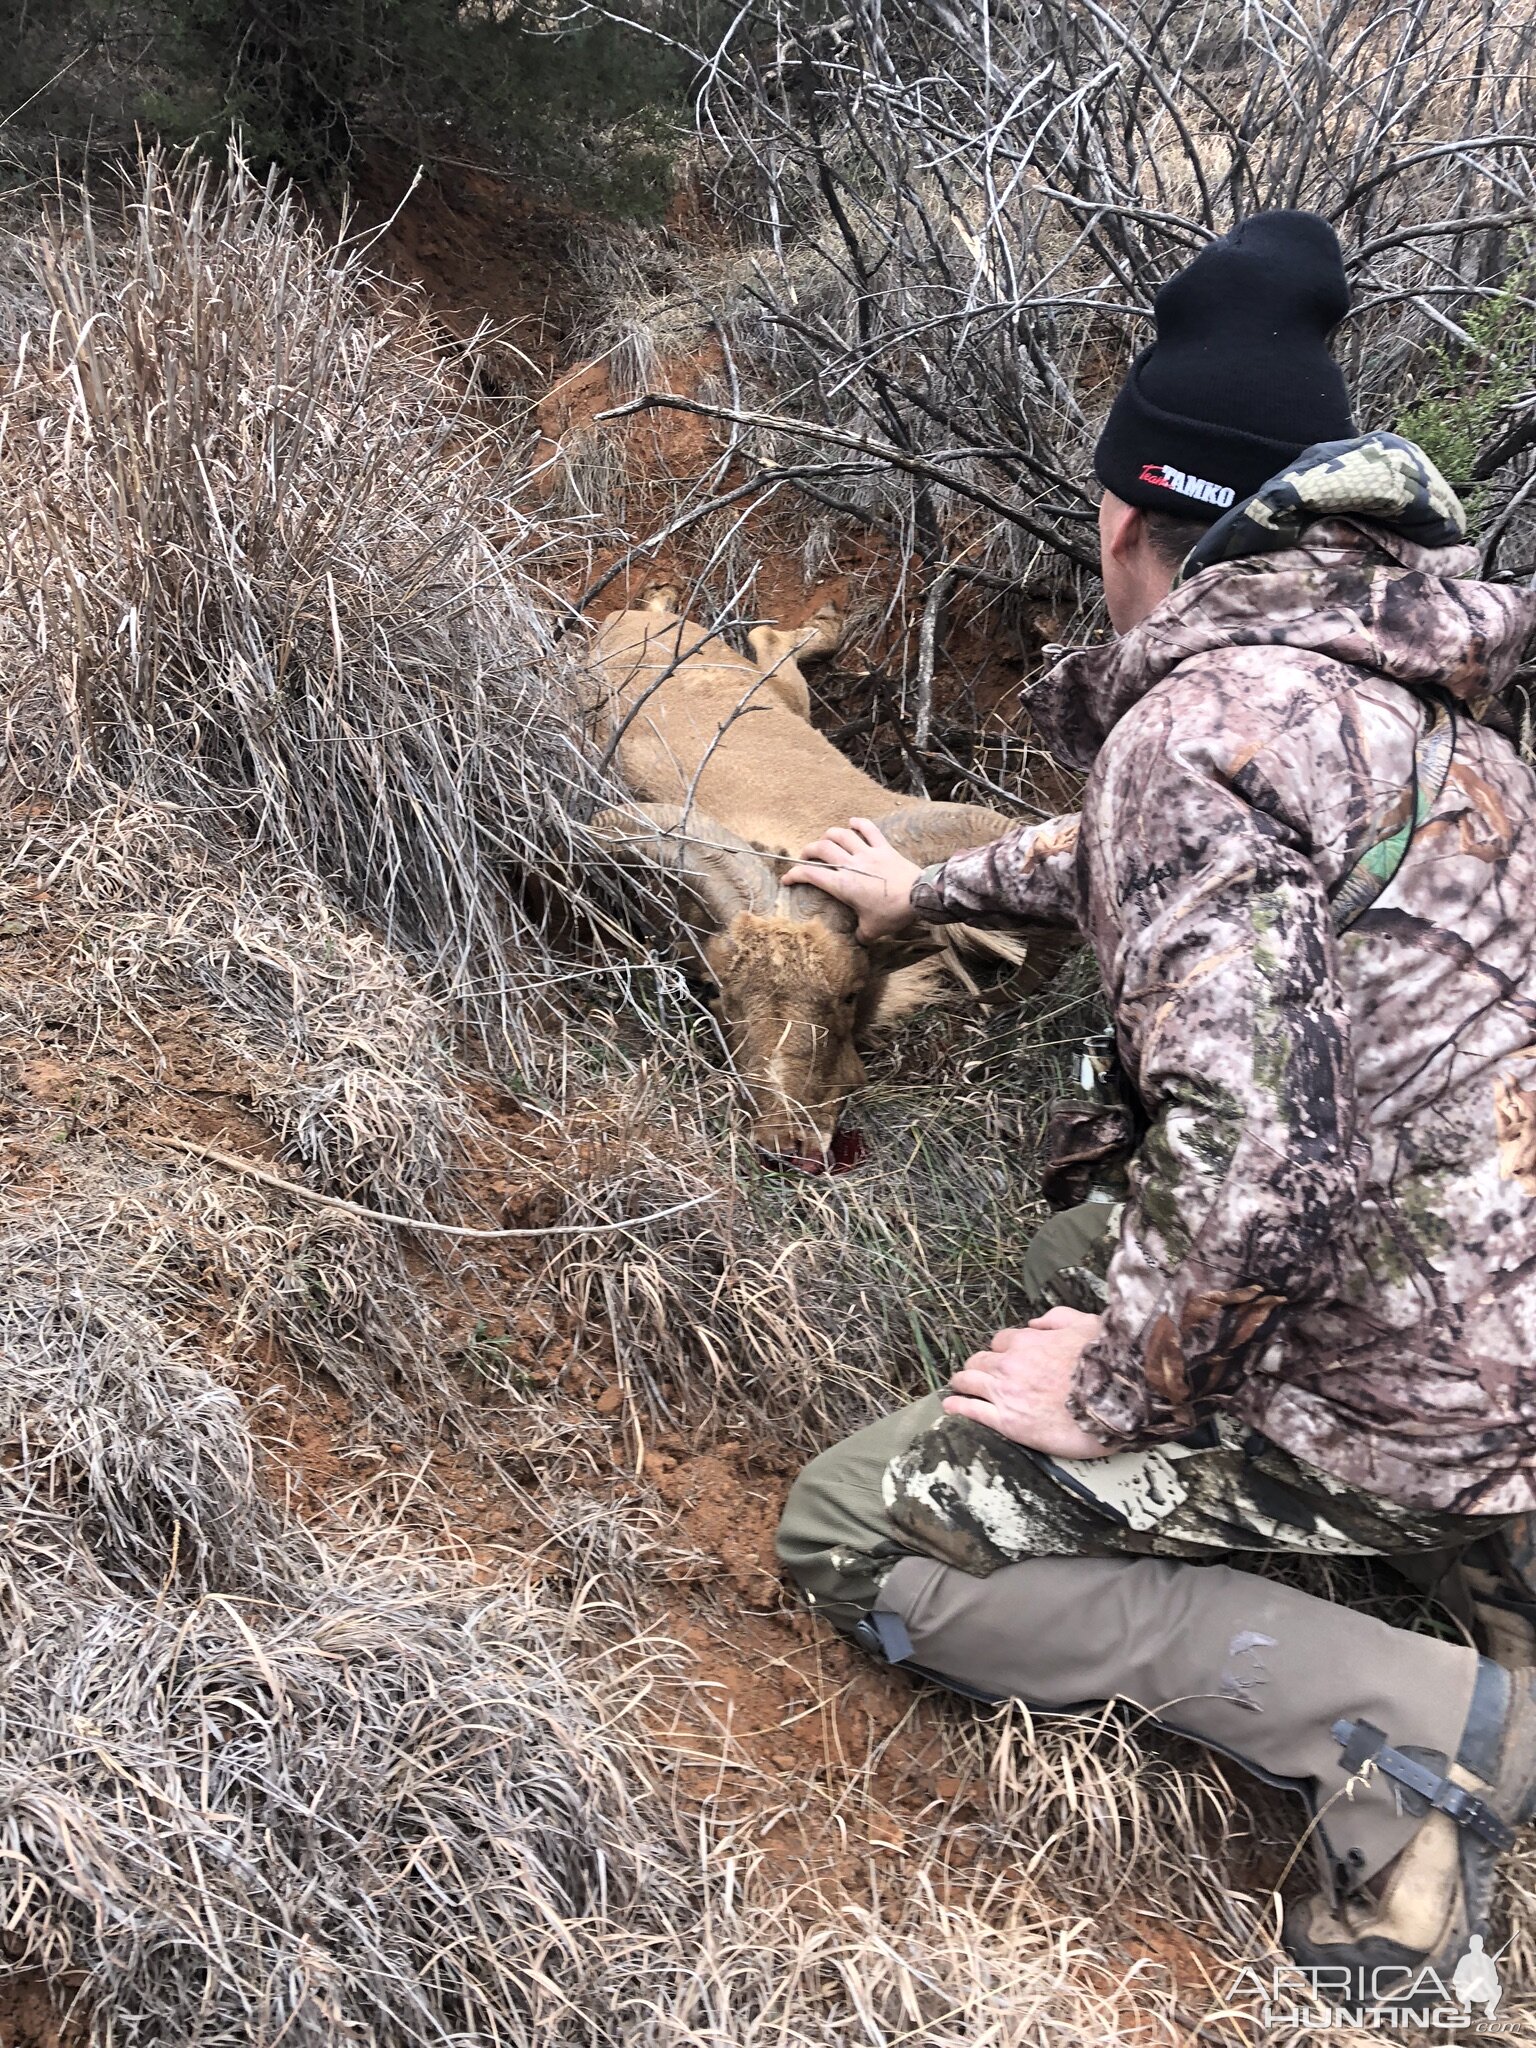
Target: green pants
1069 1581
922 1482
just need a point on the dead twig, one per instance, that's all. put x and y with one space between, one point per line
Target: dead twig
267 1178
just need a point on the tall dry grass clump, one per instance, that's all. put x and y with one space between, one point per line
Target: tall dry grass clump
252 1790
350 1058
266 562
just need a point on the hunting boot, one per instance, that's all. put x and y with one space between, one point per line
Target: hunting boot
1504 1627
1416 1756
1414 1922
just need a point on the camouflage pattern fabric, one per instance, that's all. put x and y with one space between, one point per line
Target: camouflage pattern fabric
965 1495
1329 1235
1379 477
962 1493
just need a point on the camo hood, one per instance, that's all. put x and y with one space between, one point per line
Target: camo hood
1377 477
1355 554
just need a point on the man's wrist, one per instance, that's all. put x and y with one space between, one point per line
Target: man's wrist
925 897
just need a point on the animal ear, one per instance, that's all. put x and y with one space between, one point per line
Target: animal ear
930 832
900 992
716 874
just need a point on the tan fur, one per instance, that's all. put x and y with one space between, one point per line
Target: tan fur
697 726
900 992
728 736
789 999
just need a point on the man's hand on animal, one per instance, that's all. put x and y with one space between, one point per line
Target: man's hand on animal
858 866
1019 1385
728 779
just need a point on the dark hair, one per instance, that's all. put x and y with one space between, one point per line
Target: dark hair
1171 538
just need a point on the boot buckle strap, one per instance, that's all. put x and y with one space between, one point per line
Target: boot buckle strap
1362 1744
884 1633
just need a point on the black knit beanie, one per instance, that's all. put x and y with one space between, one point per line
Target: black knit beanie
1239 380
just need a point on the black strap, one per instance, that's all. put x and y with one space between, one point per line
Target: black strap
1364 1744
887 1633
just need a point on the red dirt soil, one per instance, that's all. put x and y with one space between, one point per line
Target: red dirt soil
753 1680
480 250
27 2015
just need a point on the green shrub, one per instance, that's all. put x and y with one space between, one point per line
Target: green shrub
591 110
1471 389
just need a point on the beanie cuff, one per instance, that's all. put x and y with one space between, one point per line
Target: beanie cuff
1165 462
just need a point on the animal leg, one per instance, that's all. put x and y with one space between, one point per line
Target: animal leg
778 650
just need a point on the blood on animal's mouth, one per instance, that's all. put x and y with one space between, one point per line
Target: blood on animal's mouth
848 1151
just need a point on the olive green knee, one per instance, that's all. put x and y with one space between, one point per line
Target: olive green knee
1068 1256
836 1539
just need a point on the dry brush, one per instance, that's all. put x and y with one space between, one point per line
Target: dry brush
295 784
947 227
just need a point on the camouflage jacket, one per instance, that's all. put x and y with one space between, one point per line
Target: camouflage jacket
1331 1226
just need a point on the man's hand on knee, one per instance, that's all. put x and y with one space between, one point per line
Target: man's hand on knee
1019 1385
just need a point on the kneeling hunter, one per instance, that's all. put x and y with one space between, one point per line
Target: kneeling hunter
1305 1320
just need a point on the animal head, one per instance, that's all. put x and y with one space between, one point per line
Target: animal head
794 990
784 974
788 993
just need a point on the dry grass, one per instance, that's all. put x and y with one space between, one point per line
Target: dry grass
363 1093
259 1786
799 1307
298 1749
266 563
